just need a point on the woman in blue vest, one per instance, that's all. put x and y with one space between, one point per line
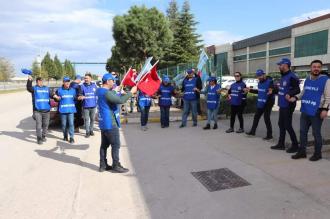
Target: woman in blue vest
87 95
66 97
265 103
109 122
165 93
289 87
41 107
190 87
212 93
144 102
315 101
237 98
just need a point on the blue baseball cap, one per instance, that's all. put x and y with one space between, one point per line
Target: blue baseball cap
78 77
166 79
190 71
66 79
260 72
212 78
284 61
108 76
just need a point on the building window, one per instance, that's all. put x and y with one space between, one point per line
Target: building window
311 44
280 51
240 58
221 63
257 55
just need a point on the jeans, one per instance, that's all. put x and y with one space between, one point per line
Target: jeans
67 124
144 115
89 115
165 116
212 114
42 123
285 124
266 111
316 122
237 110
109 137
189 105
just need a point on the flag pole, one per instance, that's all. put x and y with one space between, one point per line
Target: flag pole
147 73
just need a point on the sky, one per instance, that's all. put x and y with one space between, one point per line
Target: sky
81 30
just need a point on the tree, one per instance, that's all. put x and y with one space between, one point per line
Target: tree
48 65
59 68
140 33
38 71
68 69
6 69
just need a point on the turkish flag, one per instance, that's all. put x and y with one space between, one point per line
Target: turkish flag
129 78
150 83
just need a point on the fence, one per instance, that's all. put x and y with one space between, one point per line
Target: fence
10 85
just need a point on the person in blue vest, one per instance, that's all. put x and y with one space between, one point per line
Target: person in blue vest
78 117
237 98
265 103
315 102
66 96
41 107
212 92
165 93
109 122
191 87
87 95
144 101
289 87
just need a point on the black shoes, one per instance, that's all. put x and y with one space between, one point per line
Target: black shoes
315 157
230 130
215 126
250 133
299 154
91 133
118 168
240 130
44 139
194 125
65 138
71 140
278 147
182 126
87 135
267 138
207 127
292 149
107 168
39 141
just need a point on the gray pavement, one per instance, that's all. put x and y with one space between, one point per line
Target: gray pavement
59 180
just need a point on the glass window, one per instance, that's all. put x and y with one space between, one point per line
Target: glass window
311 44
240 58
257 55
280 51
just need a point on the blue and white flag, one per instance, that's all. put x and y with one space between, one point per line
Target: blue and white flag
145 69
201 66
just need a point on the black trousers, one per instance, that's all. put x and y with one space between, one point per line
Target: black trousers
285 125
78 117
237 110
266 111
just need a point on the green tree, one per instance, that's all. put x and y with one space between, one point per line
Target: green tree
140 33
48 65
6 69
59 68
38 71
68 69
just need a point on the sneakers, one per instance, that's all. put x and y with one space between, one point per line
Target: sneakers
230 130
207 127
182 126
292 149
240 130
44 139
278 147
65 138
39 141
107 168
299 154
91 133
215 126
118 168
315 157
87 135
250 133
267 138
71 140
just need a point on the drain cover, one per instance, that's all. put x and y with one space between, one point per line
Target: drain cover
219 179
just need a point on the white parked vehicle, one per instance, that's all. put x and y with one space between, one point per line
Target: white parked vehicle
226 81
251 83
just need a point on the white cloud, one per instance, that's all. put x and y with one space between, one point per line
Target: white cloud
306 16
214 37
73 29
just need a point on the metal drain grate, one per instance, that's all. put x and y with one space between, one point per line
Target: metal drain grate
219 179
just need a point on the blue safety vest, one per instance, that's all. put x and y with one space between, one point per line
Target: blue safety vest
144 99
213 97
41 98
165 98
106 110
237 94
284 88
313 90
189 85
89 93
67 104
263 88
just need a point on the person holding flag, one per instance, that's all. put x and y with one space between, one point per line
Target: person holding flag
165 93
190 88
212 93
41 106
109 122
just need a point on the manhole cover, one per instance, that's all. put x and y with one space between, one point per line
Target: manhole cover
219 179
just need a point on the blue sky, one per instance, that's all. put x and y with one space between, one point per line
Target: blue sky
80 30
